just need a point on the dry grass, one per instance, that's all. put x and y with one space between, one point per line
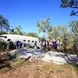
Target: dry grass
39 69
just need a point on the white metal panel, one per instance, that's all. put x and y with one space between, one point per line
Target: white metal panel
21 38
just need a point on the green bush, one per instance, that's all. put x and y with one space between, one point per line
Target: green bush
75 46
3 32
3 46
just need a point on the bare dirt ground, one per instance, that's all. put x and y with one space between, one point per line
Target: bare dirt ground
39 69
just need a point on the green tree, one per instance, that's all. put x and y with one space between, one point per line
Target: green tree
71 4
63 30
58 32
52 32
32 34
3 32
17 30
12 31
44 26
74 27
4 24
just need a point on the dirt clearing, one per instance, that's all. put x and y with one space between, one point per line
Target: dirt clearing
39 69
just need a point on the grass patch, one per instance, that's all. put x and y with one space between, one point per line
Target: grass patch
60 70
39 68
16 62
66 66
47 67
75 67
44 67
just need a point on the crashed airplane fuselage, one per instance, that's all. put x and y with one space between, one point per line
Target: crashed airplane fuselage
24 39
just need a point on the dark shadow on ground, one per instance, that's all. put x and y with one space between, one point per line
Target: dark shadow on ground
3 65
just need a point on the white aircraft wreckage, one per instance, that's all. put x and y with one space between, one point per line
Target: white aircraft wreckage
24 39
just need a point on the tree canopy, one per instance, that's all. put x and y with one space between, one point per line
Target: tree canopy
74 27
4 24
71 4
53 32
58 32
3 32
17 30
32 34
44 26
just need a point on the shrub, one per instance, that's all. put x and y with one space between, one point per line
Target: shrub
3 46
75 46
